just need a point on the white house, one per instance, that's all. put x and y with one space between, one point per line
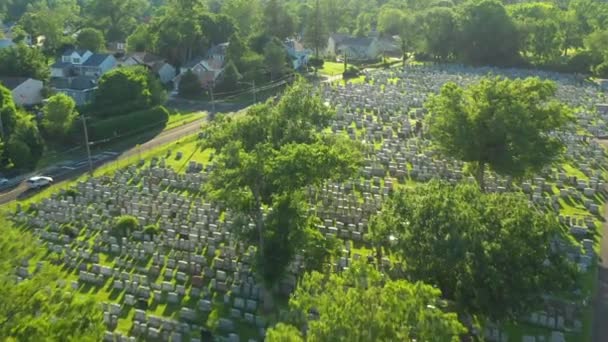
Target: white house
298 54
361 48
77 72
25 91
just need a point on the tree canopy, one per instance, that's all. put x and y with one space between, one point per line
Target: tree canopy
493 255
505 124
22 61
362 304
90 39
128 89
264 160
59 115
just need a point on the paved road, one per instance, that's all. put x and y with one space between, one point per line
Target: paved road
600 314
62 173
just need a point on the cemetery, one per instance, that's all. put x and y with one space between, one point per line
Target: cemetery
183 264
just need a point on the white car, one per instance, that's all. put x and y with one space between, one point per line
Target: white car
39 182
3 181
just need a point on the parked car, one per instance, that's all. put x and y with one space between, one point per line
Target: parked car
39 182
3 181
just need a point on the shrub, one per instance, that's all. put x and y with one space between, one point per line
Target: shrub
601 70
582 62
151 229
316 62
351 72
124 225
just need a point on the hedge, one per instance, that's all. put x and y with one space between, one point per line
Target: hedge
136 122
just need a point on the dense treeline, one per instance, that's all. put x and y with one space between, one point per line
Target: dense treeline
566 35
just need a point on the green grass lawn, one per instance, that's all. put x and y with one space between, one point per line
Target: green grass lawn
332 69
179 119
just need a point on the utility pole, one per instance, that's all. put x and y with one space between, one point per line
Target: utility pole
254 98
2 129
212 102
86 141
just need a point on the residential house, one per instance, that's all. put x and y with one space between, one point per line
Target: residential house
218 53
208 69
298 54
117 47
8 36
77 72
362 48
26 91
158 65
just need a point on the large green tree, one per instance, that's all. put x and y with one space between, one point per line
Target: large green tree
491 255
440 32
315 31
264 161
128 89
190 86
502 124
117 18
22 61
59 115
24 146
362 304
91 39
497 43
275 58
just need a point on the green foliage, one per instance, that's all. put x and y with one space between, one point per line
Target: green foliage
152 230
230 79
315 30
316 63
59 115
362 305
497 44
41 307
265 159
504 124
276 59
190 86
440 32
25 145
117 18
7 110
140 40
128 123
91 39
128 88
283 333
124 226
490 254
22 61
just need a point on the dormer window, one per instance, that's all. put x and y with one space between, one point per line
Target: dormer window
76 60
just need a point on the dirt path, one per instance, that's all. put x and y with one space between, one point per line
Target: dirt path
600 311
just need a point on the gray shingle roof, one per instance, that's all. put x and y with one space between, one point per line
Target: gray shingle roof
12 82
96 59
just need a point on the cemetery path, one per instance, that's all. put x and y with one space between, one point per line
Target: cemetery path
600 323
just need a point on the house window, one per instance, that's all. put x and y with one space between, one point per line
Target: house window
66 58
76 60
